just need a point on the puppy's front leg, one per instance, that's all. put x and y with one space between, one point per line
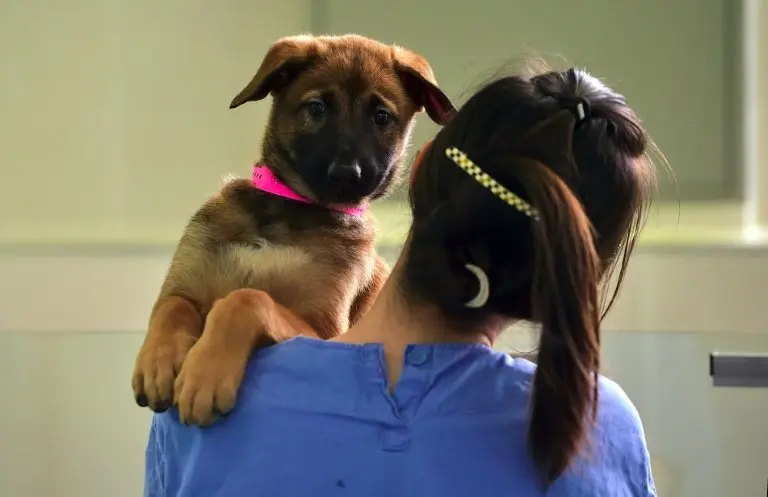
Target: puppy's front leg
175 326
210 377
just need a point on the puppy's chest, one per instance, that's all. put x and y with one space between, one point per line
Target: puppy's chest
287 272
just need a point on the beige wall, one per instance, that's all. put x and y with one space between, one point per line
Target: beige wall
115 120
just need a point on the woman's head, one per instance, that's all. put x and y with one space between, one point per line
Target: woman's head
570 183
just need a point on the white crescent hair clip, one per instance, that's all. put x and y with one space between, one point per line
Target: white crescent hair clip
485 287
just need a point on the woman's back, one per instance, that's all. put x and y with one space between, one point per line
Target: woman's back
316 419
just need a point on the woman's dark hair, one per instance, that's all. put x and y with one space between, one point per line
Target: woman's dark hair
584 169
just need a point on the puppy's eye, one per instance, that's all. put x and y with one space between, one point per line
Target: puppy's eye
382 117
316 109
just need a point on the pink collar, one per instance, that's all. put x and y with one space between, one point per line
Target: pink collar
264 180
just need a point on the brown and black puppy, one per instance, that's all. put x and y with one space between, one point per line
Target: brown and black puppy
253 268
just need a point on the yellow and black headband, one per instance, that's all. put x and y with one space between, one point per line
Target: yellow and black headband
464 162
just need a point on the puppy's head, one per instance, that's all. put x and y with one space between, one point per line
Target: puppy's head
342 113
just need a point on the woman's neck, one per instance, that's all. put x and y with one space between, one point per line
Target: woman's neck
396 323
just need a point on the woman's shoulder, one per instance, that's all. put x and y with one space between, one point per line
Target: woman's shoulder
616 408
613 401
301 355
616 413
619 427
618 422
615 459
304 363
461 368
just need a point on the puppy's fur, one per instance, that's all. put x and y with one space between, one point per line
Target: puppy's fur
253 268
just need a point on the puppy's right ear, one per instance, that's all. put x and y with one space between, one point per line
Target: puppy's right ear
282 63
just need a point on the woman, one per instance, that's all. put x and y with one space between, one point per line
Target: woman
521 206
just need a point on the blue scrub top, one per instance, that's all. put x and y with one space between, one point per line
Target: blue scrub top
315 419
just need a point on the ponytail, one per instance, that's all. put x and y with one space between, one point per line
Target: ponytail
565 301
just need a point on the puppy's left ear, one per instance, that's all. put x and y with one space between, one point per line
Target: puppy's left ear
421 86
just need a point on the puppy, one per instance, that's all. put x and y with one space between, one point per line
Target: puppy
291 252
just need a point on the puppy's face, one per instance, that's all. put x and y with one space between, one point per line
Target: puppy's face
344 125
342 113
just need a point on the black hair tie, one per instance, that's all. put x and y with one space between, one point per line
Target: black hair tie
580 108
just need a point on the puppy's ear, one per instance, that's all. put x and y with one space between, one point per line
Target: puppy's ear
419 82
285 58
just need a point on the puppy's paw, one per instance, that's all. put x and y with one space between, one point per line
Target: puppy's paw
207 385
156 368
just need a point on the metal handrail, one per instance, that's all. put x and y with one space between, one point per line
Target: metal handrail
729 369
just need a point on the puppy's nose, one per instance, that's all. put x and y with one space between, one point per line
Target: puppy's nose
347 173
